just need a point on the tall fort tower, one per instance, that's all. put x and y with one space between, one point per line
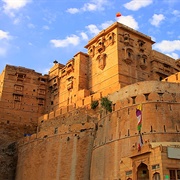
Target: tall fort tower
118 56
80 119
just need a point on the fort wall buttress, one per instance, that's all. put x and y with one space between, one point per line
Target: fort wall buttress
63 155
117 135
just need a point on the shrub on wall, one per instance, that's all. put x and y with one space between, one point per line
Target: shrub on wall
106 104
94 104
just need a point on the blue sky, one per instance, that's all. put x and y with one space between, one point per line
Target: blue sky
34 33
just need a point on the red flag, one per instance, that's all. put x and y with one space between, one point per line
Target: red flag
118 14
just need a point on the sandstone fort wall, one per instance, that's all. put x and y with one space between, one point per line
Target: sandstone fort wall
109 138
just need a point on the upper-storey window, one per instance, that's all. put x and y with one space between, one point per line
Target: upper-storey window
126 36
166 65
130 53
69 67
91 51
41 91
141 45
42 79
100 45
17 97
18 88
40 101
63 72
20 77
110 38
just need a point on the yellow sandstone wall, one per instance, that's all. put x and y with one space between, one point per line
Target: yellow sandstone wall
63 147
23 96
117 134
64 155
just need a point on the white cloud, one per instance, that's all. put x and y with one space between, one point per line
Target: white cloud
94 5
135 5
84 36
93 29
128 21
176 13
49 16
14 5
73 39
72 10
3 51
106 24
46 27
16 21
31 26
173 55
4 35
4 42
156 19
168 46
89 7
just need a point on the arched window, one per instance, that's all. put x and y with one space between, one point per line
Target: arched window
142 172
130 53
156 176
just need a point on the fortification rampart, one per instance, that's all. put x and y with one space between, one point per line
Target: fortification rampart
108 137
117 135
151 91
44 155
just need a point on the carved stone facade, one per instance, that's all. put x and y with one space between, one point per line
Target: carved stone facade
66 139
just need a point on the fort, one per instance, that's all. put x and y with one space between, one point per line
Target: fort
79 122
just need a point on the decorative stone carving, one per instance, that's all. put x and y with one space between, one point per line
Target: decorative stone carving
70 83
91 51
142 61
110 39
101 61
128 55
63 72
100 45
70 66
126 38
141 45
